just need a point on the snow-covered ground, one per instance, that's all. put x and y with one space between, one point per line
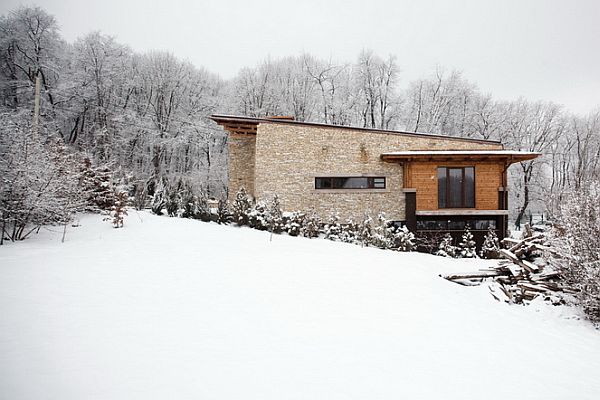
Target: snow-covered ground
179 309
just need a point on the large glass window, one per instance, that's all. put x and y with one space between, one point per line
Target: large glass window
456 187
358 182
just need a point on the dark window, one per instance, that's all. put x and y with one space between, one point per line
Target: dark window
456 187
455 224
350 183
485 224
432 225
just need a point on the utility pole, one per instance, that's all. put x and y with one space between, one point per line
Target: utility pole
36 107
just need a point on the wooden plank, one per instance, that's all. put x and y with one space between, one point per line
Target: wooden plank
472 275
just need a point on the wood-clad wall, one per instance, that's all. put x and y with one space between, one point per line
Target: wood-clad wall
423 177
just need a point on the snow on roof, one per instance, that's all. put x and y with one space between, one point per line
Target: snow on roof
510 156
462 153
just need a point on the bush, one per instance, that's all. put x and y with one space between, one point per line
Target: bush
274 216
577 253
350 232
293 223
467 247
404 240
241 207
332 230
311 226
446 247
97 186
365 231
159 198
491 245
119 209
223 214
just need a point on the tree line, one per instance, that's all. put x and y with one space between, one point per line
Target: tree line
143 115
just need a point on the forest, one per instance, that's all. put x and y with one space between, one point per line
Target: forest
139 120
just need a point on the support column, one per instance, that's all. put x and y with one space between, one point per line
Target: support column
503 205
410 209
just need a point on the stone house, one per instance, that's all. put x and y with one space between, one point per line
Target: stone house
431 183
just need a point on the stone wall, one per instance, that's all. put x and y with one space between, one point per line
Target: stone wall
289 157
242 151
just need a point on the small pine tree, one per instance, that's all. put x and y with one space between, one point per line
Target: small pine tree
202 209
446 248
467 245
159 198
172 202
293 223
404 240
119 209
491 245
223 214
349 232
382 235
97 186
311 225
274 215
258 217
332 229
241 207
365 231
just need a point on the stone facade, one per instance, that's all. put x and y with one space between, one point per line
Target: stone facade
284 159
242 150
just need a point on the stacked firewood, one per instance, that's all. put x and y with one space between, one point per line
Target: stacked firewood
522 274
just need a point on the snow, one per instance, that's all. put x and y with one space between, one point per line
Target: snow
462 153
176 308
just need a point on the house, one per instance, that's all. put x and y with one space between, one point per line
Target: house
431 183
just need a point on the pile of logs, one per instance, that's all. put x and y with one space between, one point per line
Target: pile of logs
522 275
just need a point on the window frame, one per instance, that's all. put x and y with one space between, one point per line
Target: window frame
463 190
371 182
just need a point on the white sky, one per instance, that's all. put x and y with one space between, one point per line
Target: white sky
539 49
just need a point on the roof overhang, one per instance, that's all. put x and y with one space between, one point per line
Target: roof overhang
506 156
237 125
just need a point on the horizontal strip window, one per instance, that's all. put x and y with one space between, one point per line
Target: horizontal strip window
357 182
445 225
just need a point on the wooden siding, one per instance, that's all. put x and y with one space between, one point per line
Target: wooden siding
423 177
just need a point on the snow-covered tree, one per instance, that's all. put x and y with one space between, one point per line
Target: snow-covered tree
446 247
119 209
382 234
332 229
466 247
294 222
491 245
258 216
577 253
311 226
365 231
404 240
274 216
240 207
97 186
223 214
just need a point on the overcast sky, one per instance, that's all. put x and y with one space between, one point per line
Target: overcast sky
542 49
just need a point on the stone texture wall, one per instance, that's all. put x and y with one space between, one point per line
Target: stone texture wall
289 157
242 151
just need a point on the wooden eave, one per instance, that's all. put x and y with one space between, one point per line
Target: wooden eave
237 126
506 158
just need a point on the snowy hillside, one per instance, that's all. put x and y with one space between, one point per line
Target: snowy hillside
178 309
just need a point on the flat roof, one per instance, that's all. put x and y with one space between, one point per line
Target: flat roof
244 125
435 155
